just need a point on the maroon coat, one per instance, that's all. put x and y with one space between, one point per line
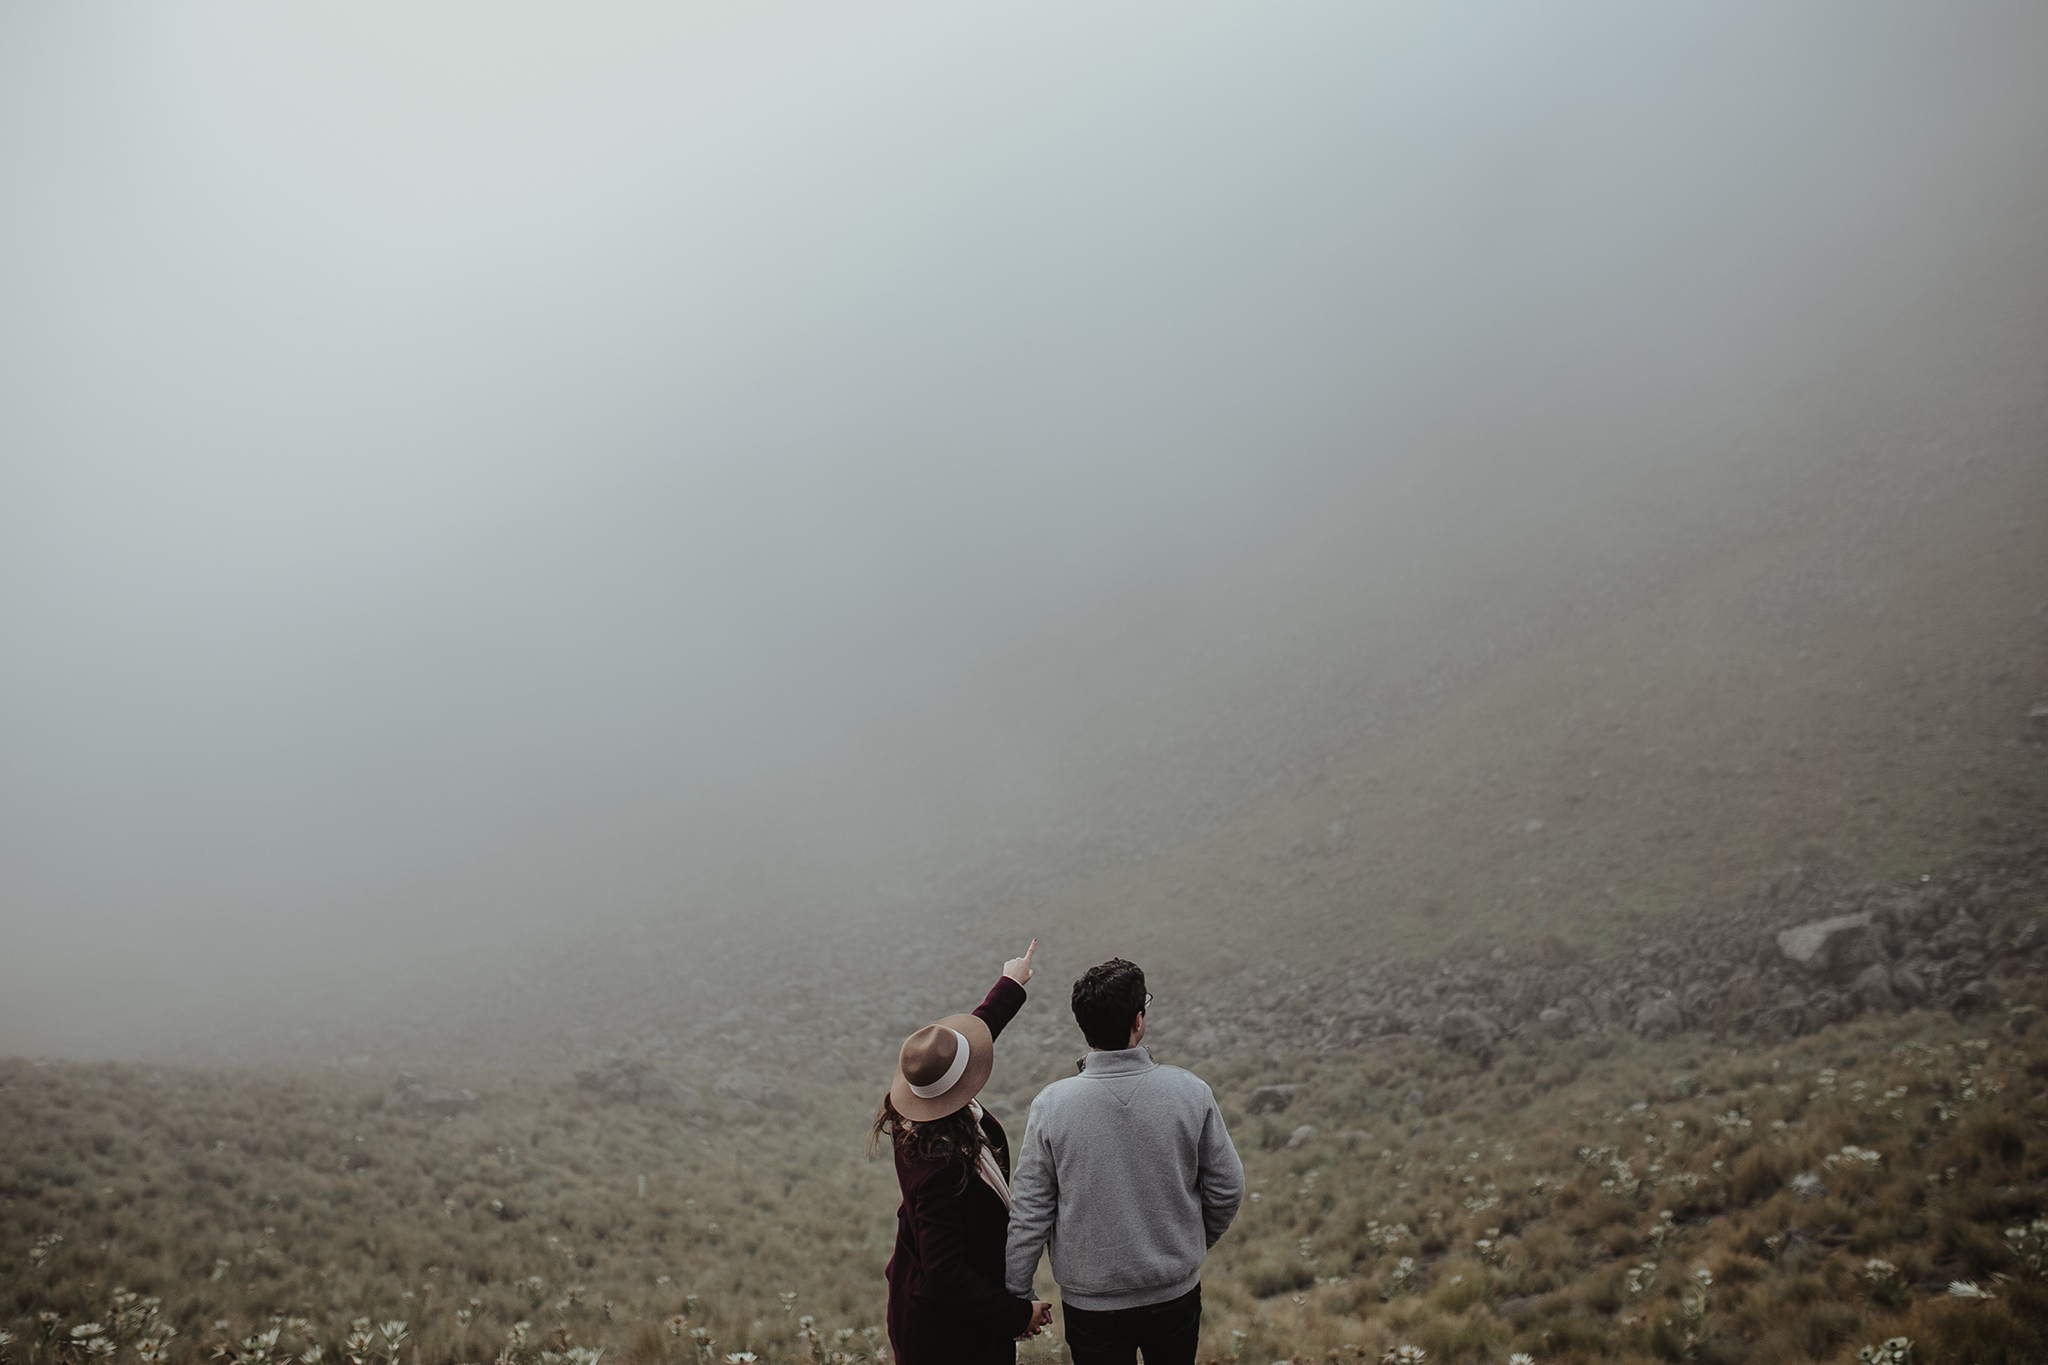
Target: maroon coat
946 1297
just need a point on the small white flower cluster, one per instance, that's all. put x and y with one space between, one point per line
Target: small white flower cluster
1389 1236
89 1339
1896 1351
1398 1278
1852 1153
2029 1245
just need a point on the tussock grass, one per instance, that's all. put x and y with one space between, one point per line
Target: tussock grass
1607 1199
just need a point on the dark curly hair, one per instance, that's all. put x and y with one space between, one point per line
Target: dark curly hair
953 1141
1107 1000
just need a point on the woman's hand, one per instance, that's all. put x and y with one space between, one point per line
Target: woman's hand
1041 1317
1018 969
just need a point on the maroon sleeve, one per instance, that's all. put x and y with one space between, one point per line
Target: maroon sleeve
1000 1005
945 1229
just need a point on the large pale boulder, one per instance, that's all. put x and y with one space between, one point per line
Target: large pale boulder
1836 948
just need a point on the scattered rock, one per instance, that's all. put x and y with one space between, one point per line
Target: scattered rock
1270 1099
1872 989
1959 936
1469 1032
1303 1134
2031 938
1830 1007
431 1097
632 1081
1807 1185
1659 1018
1778 1021
1972 995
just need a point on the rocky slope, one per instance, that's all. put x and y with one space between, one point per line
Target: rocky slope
1811 947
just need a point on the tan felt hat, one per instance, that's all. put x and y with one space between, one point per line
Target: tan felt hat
941 1067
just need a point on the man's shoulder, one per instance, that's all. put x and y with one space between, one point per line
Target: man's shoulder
1183 1082
1056 1093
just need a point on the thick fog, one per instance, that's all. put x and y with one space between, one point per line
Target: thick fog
470 475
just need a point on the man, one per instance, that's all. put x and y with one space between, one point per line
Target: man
1127 1170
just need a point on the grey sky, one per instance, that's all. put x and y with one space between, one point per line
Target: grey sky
469 467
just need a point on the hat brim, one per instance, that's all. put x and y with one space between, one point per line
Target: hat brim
981 1060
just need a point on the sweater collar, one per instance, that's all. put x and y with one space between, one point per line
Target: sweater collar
1124 1061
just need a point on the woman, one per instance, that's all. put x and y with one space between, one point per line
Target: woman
946 1296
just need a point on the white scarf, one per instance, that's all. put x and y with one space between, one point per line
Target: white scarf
985 1160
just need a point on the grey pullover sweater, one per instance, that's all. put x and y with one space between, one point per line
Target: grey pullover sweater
1127 1170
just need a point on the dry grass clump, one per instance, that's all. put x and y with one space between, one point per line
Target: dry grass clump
1881 1181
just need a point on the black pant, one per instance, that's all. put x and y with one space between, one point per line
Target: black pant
1166 1332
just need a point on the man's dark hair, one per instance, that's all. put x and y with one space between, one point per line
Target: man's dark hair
1106 1003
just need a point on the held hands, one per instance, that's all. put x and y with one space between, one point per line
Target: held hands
1018 969
1041 1318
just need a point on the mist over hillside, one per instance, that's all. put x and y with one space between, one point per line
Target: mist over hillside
1834 661
1326 484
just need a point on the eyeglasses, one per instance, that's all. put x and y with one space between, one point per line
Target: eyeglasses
1148 1003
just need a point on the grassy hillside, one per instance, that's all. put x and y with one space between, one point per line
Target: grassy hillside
1561 1202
